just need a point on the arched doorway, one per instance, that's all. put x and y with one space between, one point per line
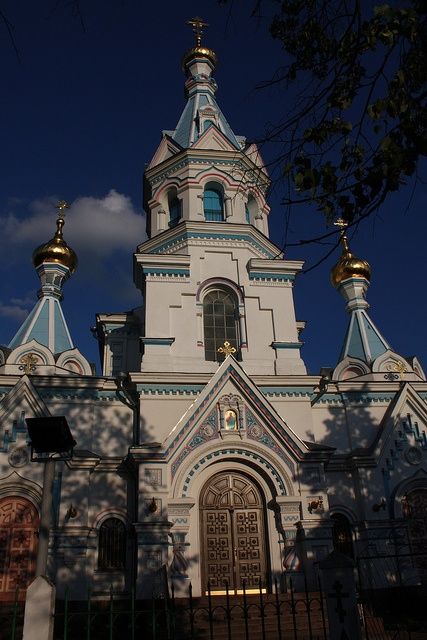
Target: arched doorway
232 533
19 523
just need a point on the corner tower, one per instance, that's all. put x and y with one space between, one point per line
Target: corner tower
209 273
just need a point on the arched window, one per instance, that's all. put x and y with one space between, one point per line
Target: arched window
213 203
341 535
174 209
220 323
247 214
112 544
207 124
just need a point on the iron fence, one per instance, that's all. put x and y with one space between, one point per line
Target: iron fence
12 618
249 616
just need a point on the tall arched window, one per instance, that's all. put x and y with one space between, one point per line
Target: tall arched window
112 544
174 209
341 535
220 323
213 203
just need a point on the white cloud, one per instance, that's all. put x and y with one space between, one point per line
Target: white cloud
13 311
94 226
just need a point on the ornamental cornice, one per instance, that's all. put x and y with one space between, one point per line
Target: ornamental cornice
169 390
355 398
238 160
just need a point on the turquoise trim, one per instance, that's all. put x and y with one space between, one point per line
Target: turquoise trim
69 393
287 345
287 391
169 389
159 341
154 271
356 397
216 236
264 275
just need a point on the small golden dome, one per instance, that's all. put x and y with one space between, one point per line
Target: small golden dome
199 52
348 266
56 250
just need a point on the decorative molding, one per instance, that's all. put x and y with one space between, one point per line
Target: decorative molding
241 453
287 345
169 389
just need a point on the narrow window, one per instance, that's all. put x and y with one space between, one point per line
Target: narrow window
213 204
220 322
248 214
112 544
174 211
341 535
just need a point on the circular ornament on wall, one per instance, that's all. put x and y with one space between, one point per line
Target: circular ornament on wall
18 457
413 455
255 431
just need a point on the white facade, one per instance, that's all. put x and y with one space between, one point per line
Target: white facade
217 469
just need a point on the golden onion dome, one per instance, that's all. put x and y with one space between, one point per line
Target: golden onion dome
56 250
199 51
349 266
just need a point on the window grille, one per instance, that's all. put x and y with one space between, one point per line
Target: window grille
220 322
112 544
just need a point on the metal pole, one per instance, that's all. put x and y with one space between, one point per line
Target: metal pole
46 517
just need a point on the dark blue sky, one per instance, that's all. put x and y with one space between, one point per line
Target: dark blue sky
81 114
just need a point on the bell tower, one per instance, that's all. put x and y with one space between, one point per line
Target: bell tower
208 272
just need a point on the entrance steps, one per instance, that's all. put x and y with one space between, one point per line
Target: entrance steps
273 618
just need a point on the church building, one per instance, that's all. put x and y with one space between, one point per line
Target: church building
204 450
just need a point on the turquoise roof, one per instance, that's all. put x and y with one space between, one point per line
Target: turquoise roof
363 340
186 132
45 324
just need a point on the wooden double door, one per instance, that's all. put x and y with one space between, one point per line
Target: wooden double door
232 533
19 524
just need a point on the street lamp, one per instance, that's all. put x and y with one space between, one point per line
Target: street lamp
50 440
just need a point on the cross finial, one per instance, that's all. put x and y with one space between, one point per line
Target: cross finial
61 206
227 349
342 225
197 24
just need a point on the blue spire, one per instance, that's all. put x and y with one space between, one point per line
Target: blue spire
201 110
55 261
351 277
363 340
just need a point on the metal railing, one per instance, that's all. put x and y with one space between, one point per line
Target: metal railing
260 616
12 618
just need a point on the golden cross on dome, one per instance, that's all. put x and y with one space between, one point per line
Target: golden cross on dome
197 24
227 349
341 223
28 363
61 206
